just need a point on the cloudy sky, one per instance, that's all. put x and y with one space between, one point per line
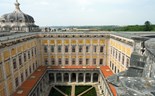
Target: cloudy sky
85 12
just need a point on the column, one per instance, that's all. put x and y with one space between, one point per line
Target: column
55 78
77 75
84 78
62 76
91 77
69 77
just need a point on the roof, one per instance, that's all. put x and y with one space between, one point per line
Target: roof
106 71
29 84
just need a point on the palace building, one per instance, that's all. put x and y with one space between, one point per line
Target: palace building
32 63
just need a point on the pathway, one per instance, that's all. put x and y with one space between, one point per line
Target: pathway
73 90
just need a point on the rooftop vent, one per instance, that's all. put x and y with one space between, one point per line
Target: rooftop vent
39 70
19 91
107 70
33 77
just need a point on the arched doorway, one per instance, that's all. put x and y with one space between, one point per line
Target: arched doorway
66 77
88 77
95 77
51 77
80 78
73 77
59 78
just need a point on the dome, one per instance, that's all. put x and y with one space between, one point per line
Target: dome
17 16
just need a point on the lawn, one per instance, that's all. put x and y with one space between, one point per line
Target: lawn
65 89
80 89
91 92
54 92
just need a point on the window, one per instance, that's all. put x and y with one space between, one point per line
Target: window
73 48
14 63
33 66
101 61
94 61
95 48
29 55
116 54
32 52
45 49
123 59
59 48
26 73
115 69
66 61
87 61
22 77
30 70
119 57
46 61
80 61
87 48
113 52
52 48
35 50
20 60
66 49
80 48
101 49
16 82
73 61
59 61
127 62
53 61
24 57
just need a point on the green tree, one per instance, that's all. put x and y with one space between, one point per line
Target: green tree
147 26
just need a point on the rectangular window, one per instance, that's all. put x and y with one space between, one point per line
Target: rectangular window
22 77
66 49
45 49
16 82
46 61
73 61
59 48
24 57
20 60
66 61
95 48
94 61
30 70
53 61
73 48
116 53
87 61
59 61
87 48
52 48
123 59
14 63
101 61
119 57
32 52
29 55
26 73
127 62
101 49
80 48
80 61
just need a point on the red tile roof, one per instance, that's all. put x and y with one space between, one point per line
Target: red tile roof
28 85
106 71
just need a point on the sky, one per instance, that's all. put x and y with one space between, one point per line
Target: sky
84 12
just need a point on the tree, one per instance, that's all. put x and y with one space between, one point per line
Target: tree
147 26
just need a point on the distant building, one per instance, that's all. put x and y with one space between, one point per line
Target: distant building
17 21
